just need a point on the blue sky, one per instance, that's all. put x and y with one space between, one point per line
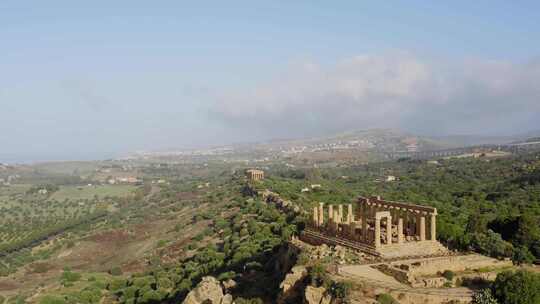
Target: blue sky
102 78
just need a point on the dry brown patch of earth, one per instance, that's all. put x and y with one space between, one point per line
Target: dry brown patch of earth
375 282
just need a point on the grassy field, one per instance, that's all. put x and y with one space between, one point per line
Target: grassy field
13 190
68 168
88 192
28 218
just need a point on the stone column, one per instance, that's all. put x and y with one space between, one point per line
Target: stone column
422 228
336 221
330 213
350 215
433 223
364 227
340 213
377 232
389 230
352 230
315 217
321 214
400 231
417 225
406 222
366 203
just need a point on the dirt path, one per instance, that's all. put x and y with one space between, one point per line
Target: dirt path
375 278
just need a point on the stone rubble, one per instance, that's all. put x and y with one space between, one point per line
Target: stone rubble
297 274
208 291
316 295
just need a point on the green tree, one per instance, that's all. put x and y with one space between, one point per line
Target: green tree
522 255
521 287
528 231
492 244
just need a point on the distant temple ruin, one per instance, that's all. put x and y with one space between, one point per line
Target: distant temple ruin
377 227
255 175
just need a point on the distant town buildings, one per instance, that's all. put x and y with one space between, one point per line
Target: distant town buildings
391 178
123 180
8 180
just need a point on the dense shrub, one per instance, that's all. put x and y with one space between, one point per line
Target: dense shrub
115 271
68 277
385 298
341 291
318 275
521 287
484 296
448 274
491 244
49 299
522 255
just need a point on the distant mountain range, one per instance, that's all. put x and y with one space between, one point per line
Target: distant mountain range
370 140
389 137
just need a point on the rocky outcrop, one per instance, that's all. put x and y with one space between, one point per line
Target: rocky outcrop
271 197
208 291
227 299
316 295
285 259
229 284
297 274
292 286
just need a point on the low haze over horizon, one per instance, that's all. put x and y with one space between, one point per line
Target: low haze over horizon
100 79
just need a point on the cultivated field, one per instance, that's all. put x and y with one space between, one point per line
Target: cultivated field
89 192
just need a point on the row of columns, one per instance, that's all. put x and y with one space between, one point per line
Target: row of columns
409 222
257 175
378 217
334 216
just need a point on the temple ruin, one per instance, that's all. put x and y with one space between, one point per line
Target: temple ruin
255 175
377 227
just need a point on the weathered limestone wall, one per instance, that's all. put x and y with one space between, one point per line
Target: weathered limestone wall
416 298
411 249
431 266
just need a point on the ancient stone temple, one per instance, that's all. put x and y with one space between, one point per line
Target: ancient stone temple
255 175
377 227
